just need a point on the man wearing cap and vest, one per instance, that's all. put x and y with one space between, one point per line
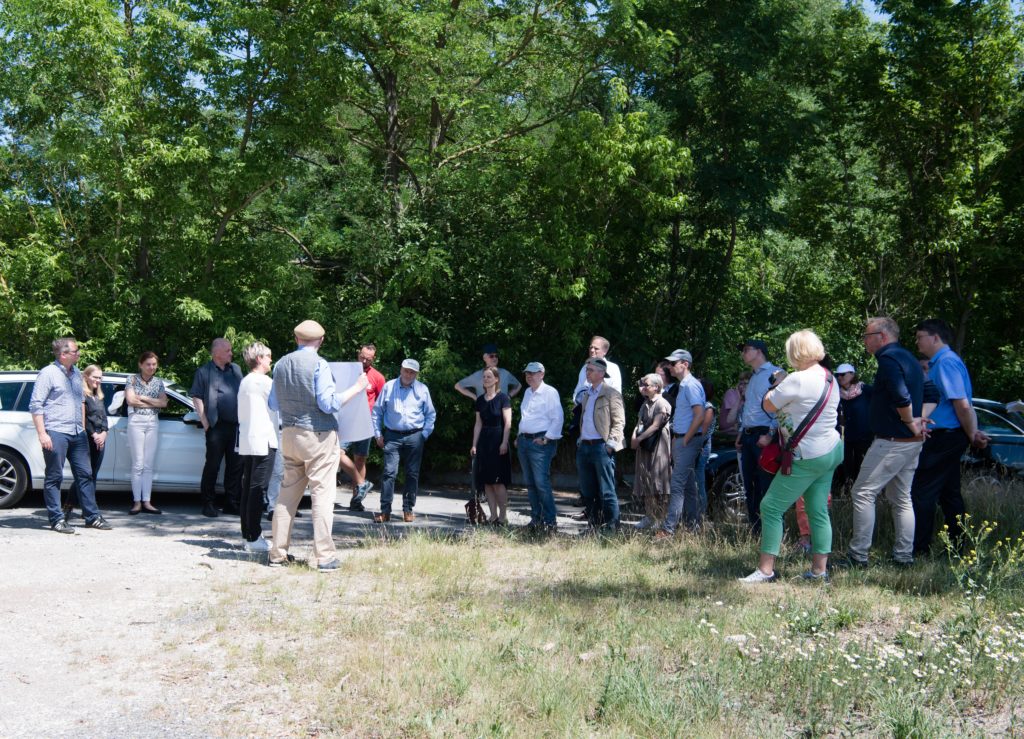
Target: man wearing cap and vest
687 443
756 428
540 428
305 395
602 423
403 418
894 415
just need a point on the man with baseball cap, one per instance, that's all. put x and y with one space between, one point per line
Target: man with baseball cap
305 395
403 418
687 442
602 423
756 427
540 428
472 386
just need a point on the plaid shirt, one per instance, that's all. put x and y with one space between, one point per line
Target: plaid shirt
57 396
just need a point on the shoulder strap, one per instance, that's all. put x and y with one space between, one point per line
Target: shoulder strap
811 417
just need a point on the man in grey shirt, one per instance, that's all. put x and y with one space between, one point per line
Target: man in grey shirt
57 411
472 386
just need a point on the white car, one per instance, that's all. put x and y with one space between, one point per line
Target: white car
179 458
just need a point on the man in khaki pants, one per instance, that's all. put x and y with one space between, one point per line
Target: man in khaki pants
305 396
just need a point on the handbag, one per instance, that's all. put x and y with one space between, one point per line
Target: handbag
778 457
650 444
474 511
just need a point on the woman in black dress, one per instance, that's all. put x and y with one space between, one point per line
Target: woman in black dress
490 446
95 428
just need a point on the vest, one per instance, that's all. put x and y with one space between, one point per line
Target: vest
296 393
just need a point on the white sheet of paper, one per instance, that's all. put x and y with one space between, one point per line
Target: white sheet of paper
354 417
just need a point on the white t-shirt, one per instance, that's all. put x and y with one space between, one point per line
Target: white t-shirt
795 397
257 424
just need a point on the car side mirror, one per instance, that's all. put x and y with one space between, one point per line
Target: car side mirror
191 418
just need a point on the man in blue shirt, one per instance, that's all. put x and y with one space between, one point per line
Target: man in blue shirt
895 420
687 442
954 425
57 412
403 418
756 428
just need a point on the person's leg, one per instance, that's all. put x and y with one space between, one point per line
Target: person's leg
81 469
151 441
244 518
802 524
293 485
898 494
926 487
527 452
321 449
876 471
501 498
232 468
816 497
588 483
783 493
691 503
259 477
137 446
413 458
347 465
392 455
951 499
214 454
750 453
542 479
605 469
700 475
274 488
492 503
54 459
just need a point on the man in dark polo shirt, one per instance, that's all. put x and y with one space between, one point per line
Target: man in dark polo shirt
895 420
215 395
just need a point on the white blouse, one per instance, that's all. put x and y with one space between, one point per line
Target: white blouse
794 397
257 424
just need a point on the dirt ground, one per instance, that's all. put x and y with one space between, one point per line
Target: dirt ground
108 634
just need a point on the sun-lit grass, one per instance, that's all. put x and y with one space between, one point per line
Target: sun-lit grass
497 634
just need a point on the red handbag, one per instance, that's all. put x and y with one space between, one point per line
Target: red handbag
778 457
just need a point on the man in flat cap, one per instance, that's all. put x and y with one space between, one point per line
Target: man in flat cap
687 442
215 396
305 395
540 428
403 418
602 423
756 427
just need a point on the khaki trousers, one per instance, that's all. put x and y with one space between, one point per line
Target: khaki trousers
310 459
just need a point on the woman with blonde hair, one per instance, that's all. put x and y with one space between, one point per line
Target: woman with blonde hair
806 398
257 443
490 445
145 396
95 415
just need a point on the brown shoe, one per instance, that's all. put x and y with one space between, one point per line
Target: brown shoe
662 535
408 516
381 517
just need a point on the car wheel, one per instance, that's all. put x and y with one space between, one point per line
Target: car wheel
730 497
13 479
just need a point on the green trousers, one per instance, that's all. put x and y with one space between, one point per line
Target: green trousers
811 478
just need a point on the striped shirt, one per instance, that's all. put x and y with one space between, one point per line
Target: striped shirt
58 396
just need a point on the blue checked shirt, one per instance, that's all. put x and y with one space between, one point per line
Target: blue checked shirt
57 396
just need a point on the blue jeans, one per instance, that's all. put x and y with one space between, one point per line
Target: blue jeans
409 451
96 460
75 449
595 466
702 482
755 480
535 459
683 500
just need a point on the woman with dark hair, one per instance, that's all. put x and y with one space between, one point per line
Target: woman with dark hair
95 428
145 395
490 445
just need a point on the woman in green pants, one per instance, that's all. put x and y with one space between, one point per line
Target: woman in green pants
815 458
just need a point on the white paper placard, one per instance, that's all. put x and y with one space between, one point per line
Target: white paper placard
354 417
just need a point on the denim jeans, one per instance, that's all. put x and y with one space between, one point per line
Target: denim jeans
535 459
75 449
595 466
755 480
409 451
96 461
683 500
702 482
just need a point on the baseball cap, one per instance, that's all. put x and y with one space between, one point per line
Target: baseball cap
411 364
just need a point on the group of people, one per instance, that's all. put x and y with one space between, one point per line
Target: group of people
279 437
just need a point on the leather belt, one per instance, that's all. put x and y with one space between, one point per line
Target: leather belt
897 438
410 432
759 430
678 436
537 435
591 442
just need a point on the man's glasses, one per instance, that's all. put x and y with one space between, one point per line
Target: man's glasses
70 351
870 333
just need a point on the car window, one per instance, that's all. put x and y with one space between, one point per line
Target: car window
9 394
992 423
175 408
26 396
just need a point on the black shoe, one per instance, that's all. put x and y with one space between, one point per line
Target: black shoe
356 506
849 563
98 523
209 511
901 564
63 527
230 509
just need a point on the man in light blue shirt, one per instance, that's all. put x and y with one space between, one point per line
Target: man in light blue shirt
403 418
687 442
756 428
57 412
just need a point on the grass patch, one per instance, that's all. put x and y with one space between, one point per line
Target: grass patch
494 634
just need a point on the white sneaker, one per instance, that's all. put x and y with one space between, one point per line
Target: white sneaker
758 577
260 545
644 523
